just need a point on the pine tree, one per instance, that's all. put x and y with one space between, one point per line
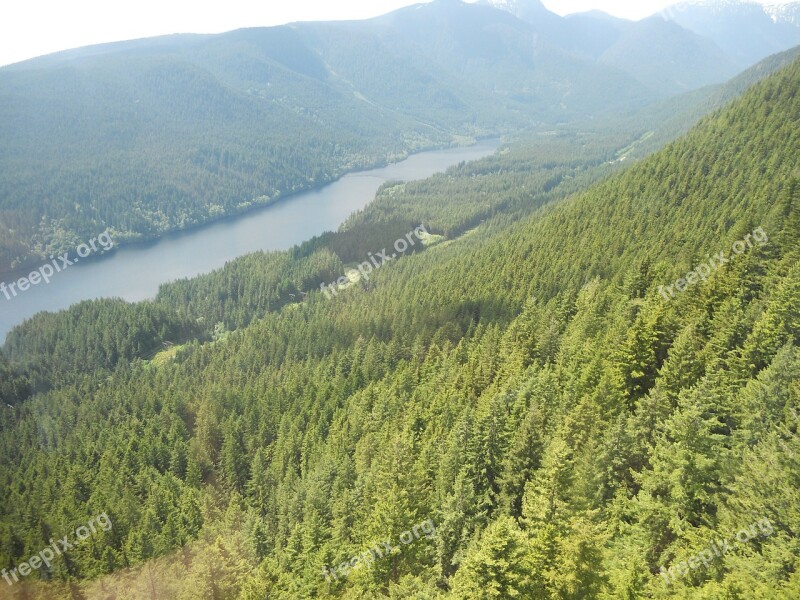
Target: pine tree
497 565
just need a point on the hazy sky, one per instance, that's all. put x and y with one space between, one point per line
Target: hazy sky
34 27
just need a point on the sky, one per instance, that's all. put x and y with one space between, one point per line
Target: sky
31 28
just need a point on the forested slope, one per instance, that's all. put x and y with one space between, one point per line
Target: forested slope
149 136
155 135
678 115
528 388
147 143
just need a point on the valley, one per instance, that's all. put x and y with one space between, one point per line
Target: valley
577 378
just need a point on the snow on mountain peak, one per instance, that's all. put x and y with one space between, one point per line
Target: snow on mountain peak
777 11
514 6
787 12
503 4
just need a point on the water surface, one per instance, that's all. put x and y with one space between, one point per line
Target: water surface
135 272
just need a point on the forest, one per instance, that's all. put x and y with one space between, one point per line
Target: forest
162 134
519 383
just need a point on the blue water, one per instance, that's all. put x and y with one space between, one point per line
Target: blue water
135 272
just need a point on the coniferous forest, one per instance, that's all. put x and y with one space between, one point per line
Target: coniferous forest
155 135
549 399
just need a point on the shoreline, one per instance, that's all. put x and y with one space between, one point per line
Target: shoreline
99 280
145 241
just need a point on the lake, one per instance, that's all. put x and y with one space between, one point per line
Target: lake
135 272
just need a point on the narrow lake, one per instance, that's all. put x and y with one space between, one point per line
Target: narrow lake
135 272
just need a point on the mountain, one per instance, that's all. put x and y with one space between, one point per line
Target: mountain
149 136
730 35
594 32
785 14
570 400
746 31
508 59
532 11
668 120
154 136
588 34
666 57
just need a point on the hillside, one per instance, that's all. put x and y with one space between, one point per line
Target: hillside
675 116
746 31
149 136
659 53
666 57
521 399
155 135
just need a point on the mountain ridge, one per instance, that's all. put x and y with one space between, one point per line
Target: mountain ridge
747 31
180 130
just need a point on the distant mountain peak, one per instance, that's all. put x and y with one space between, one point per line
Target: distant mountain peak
502 4
714 6
513 5
717 3
775 8
748 31
522 9
787 12
594 13
784 13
